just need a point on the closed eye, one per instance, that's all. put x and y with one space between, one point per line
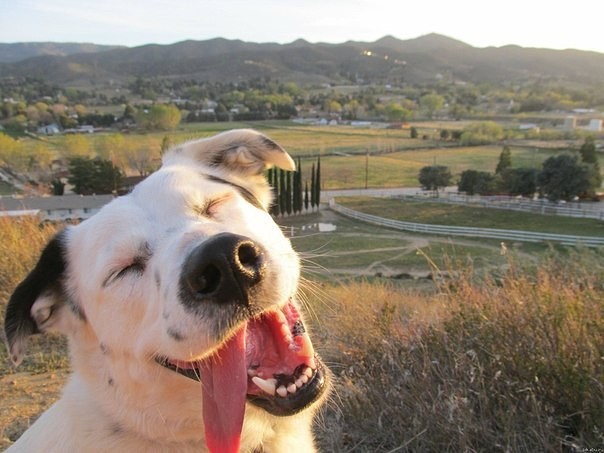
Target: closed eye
134 268
210 207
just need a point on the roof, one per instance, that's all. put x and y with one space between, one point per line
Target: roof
15 203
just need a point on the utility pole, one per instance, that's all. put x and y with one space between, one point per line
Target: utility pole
366 168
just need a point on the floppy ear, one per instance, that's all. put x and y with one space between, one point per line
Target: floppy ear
241 151
34 304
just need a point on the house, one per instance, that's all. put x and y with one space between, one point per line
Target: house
54 208
50 129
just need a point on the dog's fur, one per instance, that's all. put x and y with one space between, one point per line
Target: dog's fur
111 285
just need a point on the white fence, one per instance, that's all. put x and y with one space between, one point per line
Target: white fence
507 235
590 210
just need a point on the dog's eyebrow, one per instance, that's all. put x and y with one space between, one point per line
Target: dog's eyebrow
249 196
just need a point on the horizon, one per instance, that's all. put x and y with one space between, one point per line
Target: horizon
143 22
291 42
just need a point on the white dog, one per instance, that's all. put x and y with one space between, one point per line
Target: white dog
178 301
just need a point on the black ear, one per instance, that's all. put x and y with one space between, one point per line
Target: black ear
44 280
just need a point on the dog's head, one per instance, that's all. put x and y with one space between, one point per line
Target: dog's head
185 280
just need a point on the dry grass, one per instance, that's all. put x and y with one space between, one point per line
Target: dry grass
512 363
21 241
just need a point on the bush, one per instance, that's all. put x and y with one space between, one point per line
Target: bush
481 133
510 363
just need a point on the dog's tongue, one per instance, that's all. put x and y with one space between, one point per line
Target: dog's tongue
224 394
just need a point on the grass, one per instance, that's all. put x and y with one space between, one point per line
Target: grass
20 245
446 214
511 363
507 360
7 189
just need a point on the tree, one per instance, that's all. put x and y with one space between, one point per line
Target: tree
482 133
431 103
476 182
288 192
505 160
563 177
590 158
396 112
434 177
93 176
318 182
159 116
313 192
519 181
306 200
75 146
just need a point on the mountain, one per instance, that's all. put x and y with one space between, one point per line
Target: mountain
387 60
13 52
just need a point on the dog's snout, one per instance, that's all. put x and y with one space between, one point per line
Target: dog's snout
223 269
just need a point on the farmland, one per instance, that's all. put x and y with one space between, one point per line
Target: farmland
442 359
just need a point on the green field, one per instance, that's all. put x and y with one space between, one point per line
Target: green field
447 214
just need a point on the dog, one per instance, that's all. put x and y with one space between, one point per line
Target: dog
179 304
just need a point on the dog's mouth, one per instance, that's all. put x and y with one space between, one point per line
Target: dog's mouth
270 362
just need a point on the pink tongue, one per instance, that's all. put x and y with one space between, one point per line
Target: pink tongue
224 393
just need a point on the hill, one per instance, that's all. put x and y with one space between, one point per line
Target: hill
12 52
387 60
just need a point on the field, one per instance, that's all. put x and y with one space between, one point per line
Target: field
461 348
351 157
436 344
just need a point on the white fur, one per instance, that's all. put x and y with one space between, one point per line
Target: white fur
118 398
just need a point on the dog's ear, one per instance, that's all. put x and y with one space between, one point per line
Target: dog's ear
241 151
34 305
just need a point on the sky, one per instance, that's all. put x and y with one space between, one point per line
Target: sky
527 23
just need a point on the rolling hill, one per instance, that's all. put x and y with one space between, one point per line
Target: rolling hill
387 60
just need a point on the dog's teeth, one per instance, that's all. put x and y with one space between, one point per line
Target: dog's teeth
286 333
308 372
291 388
299 383
266 385
303 378
282 391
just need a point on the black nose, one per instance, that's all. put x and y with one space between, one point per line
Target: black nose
223 269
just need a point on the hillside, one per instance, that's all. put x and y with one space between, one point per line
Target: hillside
387 60
13 52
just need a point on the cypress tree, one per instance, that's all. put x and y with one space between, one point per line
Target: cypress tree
312 187
288 196
298 187
282 192
318 183
306 200
275 206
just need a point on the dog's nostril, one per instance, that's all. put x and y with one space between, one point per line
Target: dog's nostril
207 281
250 259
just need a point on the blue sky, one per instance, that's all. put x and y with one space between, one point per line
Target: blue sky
529 23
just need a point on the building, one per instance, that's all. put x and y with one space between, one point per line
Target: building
50 129
570 123
54 208
595 125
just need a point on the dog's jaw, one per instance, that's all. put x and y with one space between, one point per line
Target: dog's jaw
269 360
